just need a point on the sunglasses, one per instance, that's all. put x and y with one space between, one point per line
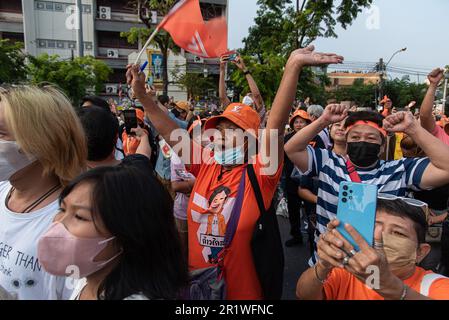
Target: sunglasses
413 202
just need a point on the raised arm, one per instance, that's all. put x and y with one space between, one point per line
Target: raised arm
159 118
296 147
222 84
437 173
286 94
257 97
425 114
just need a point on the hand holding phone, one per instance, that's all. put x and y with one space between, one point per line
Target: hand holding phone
357 203
130 120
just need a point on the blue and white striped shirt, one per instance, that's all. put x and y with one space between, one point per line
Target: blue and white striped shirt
392 177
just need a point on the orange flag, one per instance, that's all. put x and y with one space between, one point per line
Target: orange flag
188 29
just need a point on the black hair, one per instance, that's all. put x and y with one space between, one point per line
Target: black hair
138 211
370 116
163 99
96 101
402 209
219 190
102 129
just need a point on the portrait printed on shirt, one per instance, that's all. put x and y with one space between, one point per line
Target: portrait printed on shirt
213 219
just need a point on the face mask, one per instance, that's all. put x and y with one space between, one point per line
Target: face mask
230 156
400 252
58 249
363 154
12 159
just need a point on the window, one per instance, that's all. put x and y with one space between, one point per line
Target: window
59 7
109 39
116 5
210 10
13 37
51 44
117 76
60 44
49 6
14 6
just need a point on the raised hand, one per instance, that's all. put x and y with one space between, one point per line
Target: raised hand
136 80
400 122
436 76
308 57
223 61
334 113
239 63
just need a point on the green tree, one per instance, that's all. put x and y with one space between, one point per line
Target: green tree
163 40
195 84
362 94
76 77
403 91
280 27
12 62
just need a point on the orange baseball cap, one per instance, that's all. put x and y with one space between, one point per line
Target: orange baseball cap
238 113
299 113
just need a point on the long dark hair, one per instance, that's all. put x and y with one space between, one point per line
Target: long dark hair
138 211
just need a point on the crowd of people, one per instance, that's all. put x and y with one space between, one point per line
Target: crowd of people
181 205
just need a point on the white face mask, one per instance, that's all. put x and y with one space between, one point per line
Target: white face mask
12 159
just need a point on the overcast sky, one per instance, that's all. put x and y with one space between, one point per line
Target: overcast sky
421 26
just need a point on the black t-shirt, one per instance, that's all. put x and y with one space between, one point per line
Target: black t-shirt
290 185
437 199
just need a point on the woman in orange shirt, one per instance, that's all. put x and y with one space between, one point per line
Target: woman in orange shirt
388 271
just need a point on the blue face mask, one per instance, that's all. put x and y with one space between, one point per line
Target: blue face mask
230 156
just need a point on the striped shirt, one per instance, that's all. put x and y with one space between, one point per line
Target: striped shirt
392 177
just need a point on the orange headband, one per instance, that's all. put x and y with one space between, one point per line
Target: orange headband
368 123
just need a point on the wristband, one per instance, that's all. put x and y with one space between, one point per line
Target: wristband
317 276
404 292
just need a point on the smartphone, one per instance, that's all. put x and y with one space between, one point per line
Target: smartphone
357 203
233 57
130 120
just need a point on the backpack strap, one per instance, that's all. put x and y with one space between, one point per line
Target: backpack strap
256 188
352 172
427 282
235 214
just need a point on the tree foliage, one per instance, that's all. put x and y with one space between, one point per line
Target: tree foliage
280 28
12 62
195 84
76 77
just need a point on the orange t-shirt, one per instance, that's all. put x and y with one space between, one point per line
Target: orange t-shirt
341 285
209 210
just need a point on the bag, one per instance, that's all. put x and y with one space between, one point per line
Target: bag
209 283
266 246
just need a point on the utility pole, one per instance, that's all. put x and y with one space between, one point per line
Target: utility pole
381 68
79 31
445 93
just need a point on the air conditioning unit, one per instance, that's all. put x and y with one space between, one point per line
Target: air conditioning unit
112 53
105 13
197 59
112 88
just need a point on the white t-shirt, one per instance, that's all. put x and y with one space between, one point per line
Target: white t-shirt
20 271
83 282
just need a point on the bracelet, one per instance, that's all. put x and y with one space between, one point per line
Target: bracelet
317 276
404 292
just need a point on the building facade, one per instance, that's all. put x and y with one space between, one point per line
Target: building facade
51 27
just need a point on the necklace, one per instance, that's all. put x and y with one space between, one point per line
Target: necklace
36 202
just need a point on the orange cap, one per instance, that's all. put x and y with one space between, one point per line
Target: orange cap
242 115
299 113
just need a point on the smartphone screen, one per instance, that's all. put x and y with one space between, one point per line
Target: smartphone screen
357 203
130 120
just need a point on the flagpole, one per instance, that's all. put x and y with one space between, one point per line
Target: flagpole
155 32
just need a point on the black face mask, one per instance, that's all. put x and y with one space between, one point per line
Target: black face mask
363 154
